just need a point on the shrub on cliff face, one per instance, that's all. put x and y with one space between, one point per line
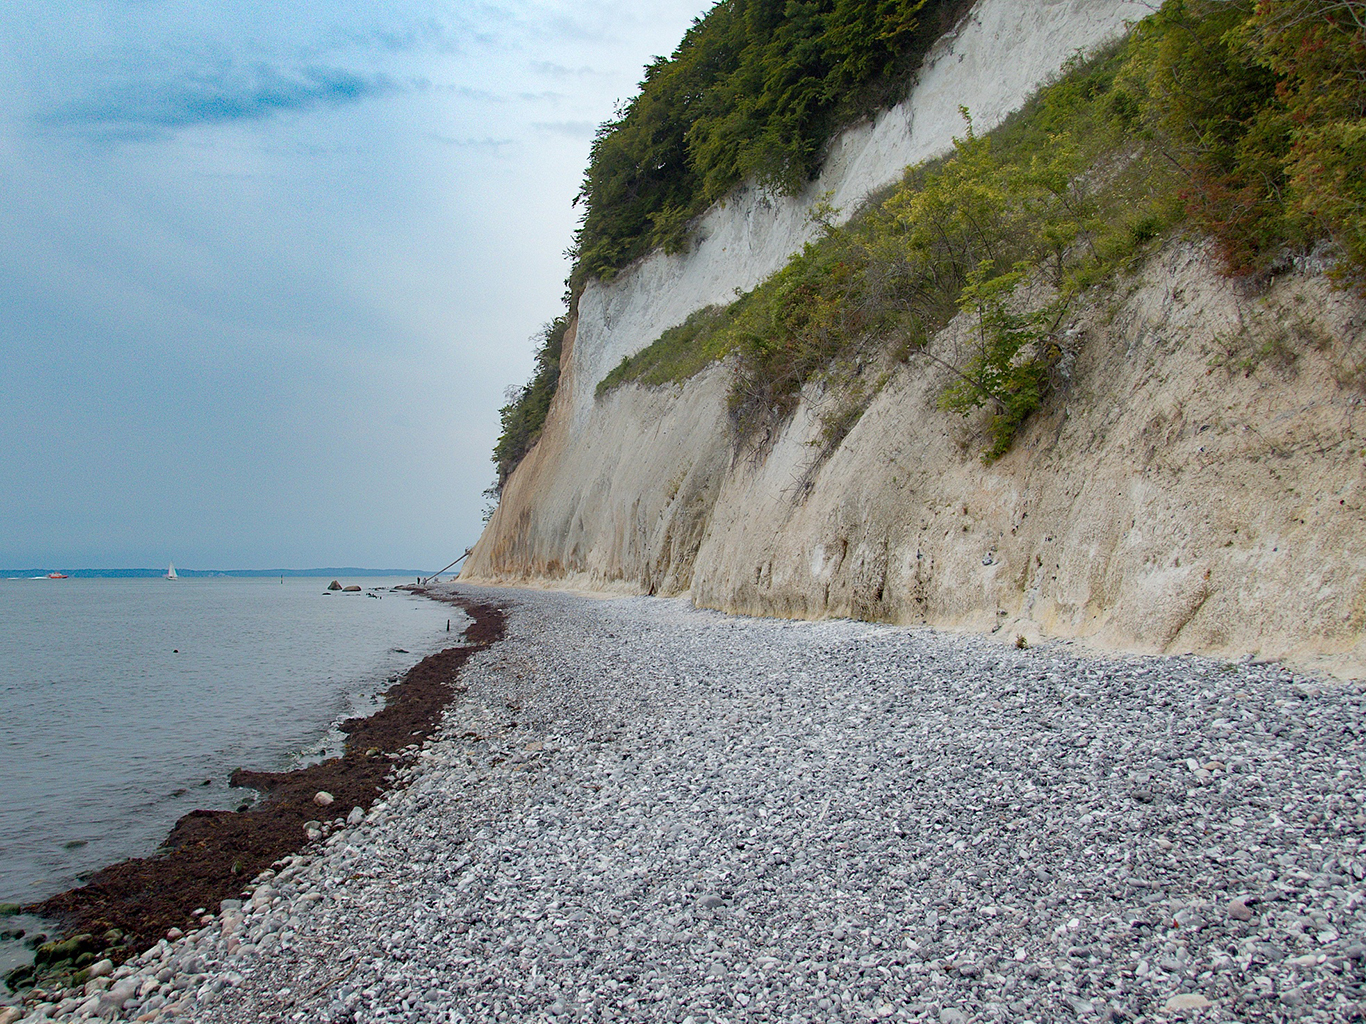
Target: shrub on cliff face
1008 357
1264 105
1317 49
1207 103
1249 117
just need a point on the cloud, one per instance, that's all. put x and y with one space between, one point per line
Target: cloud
574 129
553 70
479 95
425 35
150 108
485 143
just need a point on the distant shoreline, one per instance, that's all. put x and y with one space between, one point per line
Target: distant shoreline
119 574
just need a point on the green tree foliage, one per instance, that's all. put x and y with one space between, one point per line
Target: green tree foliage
1210 102
1317 50
1064 192
524 416
1262 102
1012 349
754 92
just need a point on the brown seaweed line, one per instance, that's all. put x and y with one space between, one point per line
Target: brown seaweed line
210 855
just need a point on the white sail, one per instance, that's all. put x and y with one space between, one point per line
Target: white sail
170 572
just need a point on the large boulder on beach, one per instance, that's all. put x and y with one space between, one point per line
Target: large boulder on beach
334 585
353 589
118 994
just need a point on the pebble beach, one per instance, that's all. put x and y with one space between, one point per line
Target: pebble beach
638 811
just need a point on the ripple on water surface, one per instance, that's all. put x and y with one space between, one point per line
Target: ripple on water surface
128 702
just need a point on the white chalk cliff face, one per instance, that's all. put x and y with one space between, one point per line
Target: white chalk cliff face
1172 499
1000 54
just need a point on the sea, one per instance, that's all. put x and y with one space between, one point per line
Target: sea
126 703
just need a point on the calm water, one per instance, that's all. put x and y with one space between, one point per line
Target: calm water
107 735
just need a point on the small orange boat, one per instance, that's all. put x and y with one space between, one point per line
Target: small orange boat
58 576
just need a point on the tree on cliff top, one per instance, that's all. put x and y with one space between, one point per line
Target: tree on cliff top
754 92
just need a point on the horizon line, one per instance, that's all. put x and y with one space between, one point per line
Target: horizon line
317 570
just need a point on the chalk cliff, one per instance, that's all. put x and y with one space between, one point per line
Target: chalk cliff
1197 487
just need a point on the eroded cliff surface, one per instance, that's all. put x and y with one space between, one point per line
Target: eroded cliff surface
988 65
1198 484
1196 489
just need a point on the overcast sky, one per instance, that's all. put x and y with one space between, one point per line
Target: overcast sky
267 267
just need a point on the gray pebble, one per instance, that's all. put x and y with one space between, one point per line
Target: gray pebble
702 817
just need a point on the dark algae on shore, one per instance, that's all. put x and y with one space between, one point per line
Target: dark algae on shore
210 856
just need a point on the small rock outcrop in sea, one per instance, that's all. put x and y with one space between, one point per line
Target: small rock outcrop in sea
334 585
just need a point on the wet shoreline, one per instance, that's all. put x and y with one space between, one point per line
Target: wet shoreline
210 856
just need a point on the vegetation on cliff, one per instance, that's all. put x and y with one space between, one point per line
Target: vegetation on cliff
527 407
1059 195
753 93
1243 118
1265 105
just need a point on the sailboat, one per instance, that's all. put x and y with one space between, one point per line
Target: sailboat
170 572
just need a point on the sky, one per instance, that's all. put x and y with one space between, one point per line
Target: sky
267 267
